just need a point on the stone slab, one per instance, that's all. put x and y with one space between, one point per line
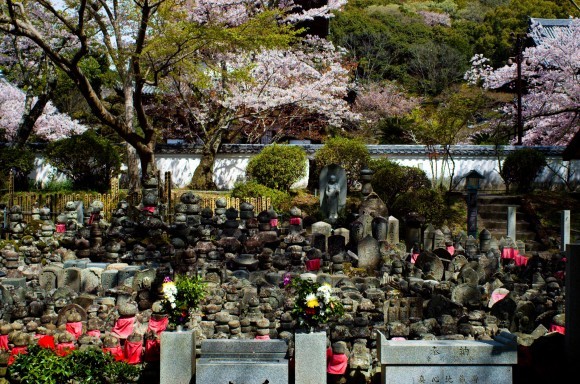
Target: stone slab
16 282
97 265
425 374
177 357
244 349
501 351
310 358
242 361
211 371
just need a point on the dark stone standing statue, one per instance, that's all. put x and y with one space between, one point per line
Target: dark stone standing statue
332 191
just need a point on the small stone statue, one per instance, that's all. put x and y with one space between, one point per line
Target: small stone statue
332 191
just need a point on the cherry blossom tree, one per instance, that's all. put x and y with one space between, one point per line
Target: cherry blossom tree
147 40
299 91
50 125
551 72
26 67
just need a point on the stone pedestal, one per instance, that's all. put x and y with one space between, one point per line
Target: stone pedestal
447 361
247 361
177 364
310 358
565 228
511 223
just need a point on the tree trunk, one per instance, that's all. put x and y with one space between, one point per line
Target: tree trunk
31 114
203 176
133 171
140 163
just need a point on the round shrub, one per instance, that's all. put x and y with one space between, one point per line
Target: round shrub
281 200
391 179
278 166
350 154
89 160
521 168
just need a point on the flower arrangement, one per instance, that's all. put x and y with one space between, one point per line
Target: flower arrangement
314 304
180 296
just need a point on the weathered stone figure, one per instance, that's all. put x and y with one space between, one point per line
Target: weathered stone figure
332 191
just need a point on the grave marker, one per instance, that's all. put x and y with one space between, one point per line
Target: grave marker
242 361
447 361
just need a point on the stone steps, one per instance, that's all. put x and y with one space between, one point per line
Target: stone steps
492 215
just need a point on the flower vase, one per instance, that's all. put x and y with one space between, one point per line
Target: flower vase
179 328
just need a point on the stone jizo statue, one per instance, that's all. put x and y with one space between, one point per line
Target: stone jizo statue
332 191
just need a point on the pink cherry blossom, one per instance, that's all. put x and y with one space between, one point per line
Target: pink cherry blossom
551 100
52 125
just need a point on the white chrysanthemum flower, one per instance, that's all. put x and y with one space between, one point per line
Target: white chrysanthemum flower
324 292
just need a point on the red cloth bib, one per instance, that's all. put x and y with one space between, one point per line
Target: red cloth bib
63 349
4 342
521 260
94 333
158 326
313 265
47 341
295 221
117 352
558 328
124 327
75 329
264 337
15 352
509 253
414 257
133 351
152 350
328 353
337 364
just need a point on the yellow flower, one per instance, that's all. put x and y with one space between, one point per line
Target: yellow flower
311 300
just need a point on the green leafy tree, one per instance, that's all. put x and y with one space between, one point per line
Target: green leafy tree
429 203
89 160
390 179
379 40
20 161
495 39
521 168
278 166
450 121
437 65
145 41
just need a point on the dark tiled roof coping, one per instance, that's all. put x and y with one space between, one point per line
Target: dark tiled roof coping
375 150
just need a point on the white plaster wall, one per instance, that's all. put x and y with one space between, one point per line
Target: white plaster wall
230 168
43 173
552 176
180 166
